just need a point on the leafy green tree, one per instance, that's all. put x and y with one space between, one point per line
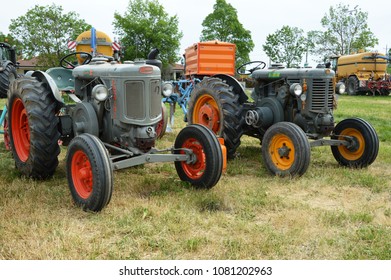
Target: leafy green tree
43 32
8 39
287 45
223 25
144 26
346 32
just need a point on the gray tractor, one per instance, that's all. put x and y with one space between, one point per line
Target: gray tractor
108 122
8 67
291 111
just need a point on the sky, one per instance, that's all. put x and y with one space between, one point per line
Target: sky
258 16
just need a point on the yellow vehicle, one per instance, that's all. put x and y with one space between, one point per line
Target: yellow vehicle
96 43
363 72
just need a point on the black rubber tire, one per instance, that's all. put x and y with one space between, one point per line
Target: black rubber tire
384 92
290 136
37 156
89 172
352 85
6 77
366 140
203 173
231 120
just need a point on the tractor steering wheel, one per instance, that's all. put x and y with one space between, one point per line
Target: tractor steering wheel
242 70
65 63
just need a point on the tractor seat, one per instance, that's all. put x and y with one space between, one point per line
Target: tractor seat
63 78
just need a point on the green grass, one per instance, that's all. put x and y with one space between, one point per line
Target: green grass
330 212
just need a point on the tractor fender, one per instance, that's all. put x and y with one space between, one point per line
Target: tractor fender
44 77
236 86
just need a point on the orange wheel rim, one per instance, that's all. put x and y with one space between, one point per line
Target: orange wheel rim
282 151
20 130
206 112
195 169
81 174
358 150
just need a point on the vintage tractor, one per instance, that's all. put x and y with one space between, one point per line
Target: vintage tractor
289 107
8 66
109 124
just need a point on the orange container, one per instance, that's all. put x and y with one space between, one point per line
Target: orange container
210 58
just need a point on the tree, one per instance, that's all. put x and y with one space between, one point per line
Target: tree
346 32
9 39
43 32
223 25
286 45
144 26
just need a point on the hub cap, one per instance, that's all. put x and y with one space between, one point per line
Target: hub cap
206 112
282 151
195 169
20 130
82 174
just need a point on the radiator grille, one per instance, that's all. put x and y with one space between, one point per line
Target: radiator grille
156 97
135 100
322 94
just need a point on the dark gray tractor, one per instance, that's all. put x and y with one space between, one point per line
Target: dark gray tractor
7 68
109 123
291 111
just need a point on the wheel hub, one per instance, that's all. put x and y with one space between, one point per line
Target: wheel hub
208 116
284 151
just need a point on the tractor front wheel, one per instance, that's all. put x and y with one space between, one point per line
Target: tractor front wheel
286 150
205 165
89 172
364 143
33 128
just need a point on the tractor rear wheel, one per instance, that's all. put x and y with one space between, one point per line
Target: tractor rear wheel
364 145
215 105
352 85
6 77
33 131
204 168
89 172
286 150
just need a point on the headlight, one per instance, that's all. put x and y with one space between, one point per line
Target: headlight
340 88
296 89
167 89
100 92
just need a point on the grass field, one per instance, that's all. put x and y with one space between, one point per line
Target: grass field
329 213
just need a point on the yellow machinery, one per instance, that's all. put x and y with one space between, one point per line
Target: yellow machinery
363 72
97 43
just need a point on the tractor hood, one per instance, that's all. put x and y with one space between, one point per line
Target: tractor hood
103 69
283 73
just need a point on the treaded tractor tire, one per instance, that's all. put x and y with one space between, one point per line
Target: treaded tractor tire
215 105
365 144
352 85
89 172
33 129
6 77
286 150
207 168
